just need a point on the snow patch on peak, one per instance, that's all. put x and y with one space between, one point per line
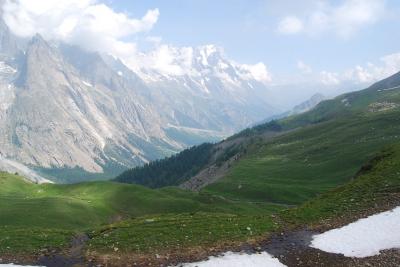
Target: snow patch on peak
206 51
87 84
166 62
7 69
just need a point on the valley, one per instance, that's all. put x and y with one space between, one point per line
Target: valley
310 171
199 133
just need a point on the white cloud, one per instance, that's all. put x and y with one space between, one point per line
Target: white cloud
156 40
387 65
86 23
343 20
391 63
354 14
257 71
290 25
363 74
303 67
97 27
329 78
166 59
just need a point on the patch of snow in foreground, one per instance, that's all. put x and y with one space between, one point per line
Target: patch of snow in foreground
363 238
12 265
231 259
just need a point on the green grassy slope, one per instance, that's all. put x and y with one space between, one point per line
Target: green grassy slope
297 166
79 206
375 188
313 152
178 232
318 150
33 217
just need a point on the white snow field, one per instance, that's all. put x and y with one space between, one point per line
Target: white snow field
231 259
363 238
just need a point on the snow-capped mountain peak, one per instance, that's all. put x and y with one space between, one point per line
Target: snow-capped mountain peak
64 107
200 63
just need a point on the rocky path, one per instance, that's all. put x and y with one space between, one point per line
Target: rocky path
73 257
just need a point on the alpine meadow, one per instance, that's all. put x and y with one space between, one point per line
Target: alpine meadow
233 133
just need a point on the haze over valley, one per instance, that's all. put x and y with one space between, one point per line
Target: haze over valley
199 133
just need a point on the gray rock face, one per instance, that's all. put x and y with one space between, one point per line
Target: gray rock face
307 105
62 107
58 118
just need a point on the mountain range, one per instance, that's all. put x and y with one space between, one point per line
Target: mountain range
65 110
318 170
281 158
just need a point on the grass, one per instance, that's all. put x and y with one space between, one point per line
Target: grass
17 240
173 232
376 187
79 206
321 149
301 164
33 217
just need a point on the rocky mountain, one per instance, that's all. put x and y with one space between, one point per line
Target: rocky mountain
63 108
308 104
220 94
305 106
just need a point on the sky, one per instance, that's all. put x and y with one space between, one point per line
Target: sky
320 41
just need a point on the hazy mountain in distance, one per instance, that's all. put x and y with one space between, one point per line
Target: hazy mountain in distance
305 106
308 104
64 108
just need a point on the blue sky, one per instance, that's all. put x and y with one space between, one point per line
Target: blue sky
247 30
308 41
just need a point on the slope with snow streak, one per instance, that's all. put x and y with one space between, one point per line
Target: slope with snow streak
231 259
12 166
363 238
12 265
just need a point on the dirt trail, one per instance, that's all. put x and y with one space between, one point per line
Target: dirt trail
291 248
73 257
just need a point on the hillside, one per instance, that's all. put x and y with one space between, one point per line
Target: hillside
179 168
295 158
375 188
273 178
36 218
94 203
199 133
56 213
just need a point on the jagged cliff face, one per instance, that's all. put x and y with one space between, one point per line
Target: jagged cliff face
62 107
55 117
